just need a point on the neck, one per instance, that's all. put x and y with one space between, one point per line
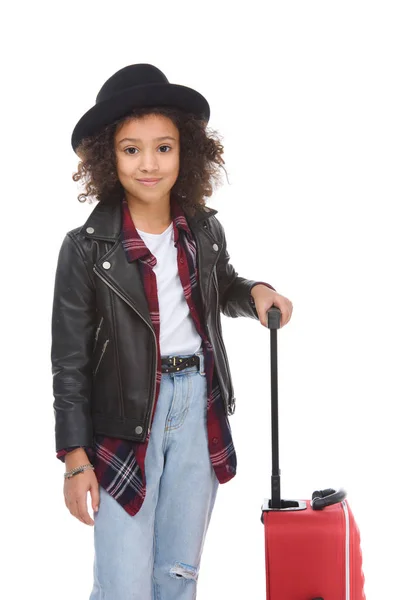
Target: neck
150 216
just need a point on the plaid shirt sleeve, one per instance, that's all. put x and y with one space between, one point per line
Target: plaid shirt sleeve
89 451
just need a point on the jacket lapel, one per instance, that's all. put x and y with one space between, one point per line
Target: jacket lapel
123 277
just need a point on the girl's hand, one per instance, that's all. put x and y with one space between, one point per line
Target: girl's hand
75 495
264 298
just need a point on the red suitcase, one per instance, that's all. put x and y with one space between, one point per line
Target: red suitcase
312 547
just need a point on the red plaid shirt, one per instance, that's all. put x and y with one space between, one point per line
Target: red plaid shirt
120 464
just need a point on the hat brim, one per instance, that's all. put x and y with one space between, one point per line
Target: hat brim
156 94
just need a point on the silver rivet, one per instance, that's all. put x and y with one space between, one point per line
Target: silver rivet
106 264
90 229
138 429
215 246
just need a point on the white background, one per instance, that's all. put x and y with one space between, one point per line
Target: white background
306 96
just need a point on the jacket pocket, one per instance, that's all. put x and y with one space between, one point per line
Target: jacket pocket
97 333
101 356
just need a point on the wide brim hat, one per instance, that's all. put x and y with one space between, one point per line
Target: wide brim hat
135 86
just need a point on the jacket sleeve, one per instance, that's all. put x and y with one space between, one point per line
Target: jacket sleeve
235 299
73 330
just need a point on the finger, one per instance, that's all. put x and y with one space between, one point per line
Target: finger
76 512
70 502
263 314
286 313
290 310
286 316
290 314
95 496
73 509
83 511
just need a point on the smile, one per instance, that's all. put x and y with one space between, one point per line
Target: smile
149 182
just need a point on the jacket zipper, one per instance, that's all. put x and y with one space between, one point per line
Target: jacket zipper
199 260
151 329
220 336
101 356
97 333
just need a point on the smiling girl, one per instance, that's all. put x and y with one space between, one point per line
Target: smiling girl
141 379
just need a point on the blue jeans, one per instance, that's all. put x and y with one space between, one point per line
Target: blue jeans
155 554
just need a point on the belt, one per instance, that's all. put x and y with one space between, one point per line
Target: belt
176 363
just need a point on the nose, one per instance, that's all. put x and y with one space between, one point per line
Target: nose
148 162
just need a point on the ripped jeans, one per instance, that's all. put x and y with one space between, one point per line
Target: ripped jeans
155 554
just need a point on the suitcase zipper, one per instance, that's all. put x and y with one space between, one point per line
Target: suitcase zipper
143 319
347 520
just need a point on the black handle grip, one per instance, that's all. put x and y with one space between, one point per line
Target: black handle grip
323 498
274 317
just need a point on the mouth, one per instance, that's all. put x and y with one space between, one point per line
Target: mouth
149 182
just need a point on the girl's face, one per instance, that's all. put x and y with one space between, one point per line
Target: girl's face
147 148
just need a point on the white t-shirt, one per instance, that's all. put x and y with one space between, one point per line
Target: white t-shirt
178 334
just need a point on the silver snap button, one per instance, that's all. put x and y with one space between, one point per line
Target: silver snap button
138 429
90 229
106 264
215 246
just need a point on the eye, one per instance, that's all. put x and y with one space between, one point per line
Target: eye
165 146
130 148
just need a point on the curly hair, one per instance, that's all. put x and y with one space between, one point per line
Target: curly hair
200 160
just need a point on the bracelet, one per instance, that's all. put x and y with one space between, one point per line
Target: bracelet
74 471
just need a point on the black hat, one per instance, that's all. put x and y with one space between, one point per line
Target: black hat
136 86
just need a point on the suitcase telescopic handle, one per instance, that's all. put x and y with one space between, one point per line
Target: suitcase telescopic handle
320 498
273 323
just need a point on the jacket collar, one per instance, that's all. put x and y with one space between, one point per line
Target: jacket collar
133 243
105 221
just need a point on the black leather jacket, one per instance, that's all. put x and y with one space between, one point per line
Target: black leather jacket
103 348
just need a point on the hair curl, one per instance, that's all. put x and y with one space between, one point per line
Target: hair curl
200 160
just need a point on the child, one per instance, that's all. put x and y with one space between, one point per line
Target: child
142 386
